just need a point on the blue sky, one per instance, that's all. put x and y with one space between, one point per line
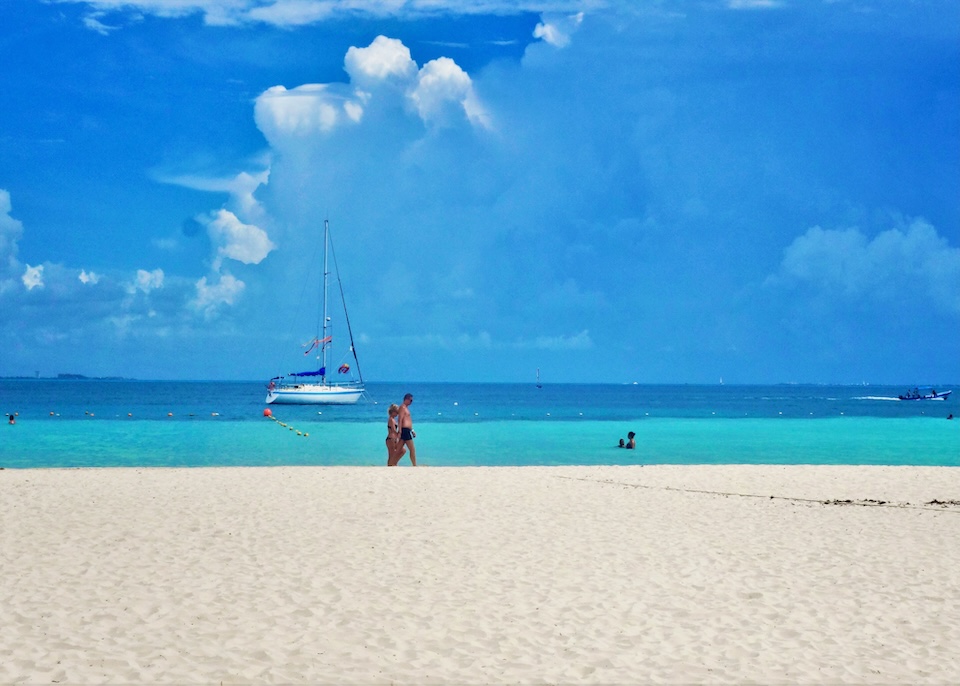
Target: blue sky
610 191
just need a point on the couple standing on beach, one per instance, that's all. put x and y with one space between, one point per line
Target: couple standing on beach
400 433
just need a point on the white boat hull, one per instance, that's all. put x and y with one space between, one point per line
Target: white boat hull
943 395
314 394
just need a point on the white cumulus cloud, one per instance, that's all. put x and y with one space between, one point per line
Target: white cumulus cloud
235 240
147 281
33 277
557 30
88 277
210 296
306 110
10 232
898 262
241 187
383 73
442 90
385 59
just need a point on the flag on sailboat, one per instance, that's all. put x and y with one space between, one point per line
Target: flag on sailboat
315 342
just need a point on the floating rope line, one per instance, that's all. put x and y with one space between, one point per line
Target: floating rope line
943 505
269 415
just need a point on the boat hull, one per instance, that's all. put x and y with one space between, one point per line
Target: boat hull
928 396
314 394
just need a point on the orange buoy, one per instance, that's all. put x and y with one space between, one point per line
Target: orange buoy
267 412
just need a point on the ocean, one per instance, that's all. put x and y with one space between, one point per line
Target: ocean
102 423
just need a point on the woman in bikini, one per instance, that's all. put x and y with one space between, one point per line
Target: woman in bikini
395 449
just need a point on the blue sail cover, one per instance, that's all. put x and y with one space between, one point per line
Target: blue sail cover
320 372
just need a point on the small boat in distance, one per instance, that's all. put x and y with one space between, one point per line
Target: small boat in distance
539 385
925 394
312 387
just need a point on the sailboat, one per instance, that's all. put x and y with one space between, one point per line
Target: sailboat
539 385
315 386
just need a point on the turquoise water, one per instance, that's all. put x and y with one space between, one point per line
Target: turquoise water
103 423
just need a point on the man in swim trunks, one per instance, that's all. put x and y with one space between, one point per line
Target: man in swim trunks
407 434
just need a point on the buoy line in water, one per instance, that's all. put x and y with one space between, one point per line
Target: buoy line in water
269 415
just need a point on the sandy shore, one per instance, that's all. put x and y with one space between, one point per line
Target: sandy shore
481 575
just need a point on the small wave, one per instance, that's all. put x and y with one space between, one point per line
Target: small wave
874 397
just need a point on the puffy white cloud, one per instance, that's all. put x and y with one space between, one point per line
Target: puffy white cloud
442 90
235 240
10 232
385 59
306 110
383 74
147 281
51 302
847 264
240 187
558 29
33 277
88 277
211 296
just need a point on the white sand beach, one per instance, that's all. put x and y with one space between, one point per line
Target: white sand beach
655 574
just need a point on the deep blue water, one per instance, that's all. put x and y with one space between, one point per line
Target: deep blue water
64 423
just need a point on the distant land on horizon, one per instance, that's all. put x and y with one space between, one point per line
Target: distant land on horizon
69 377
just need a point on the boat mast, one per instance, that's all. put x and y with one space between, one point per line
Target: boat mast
323 336
346 315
